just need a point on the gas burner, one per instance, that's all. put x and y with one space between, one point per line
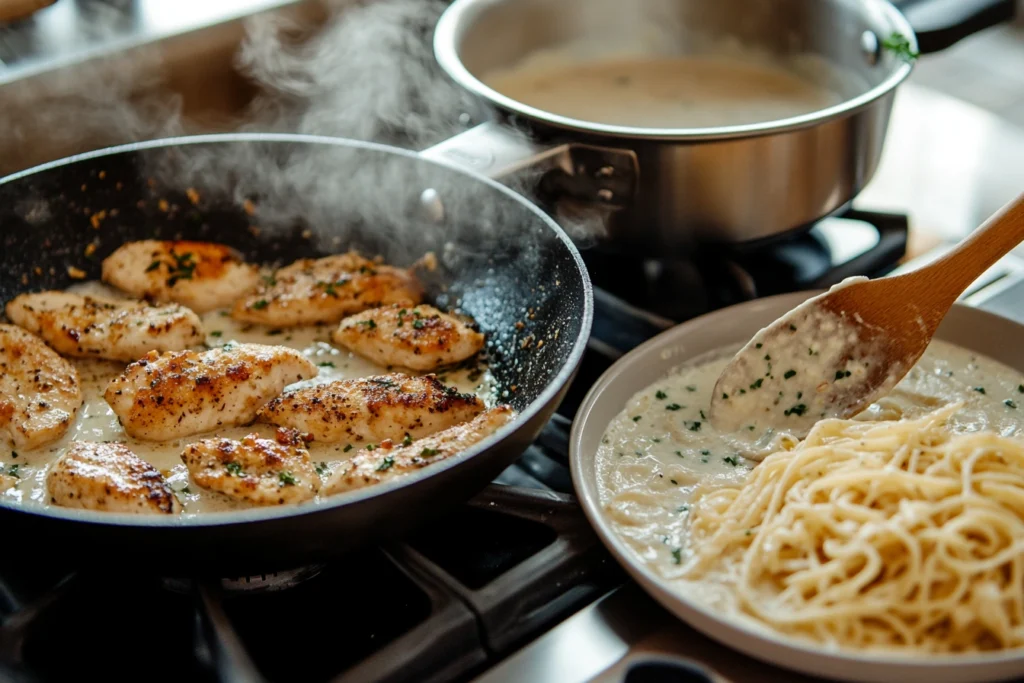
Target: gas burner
257 583
714 276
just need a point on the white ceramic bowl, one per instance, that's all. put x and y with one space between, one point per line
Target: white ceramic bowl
988 334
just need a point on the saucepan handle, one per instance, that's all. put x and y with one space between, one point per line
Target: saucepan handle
941 23
590 174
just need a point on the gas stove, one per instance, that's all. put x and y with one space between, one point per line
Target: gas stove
455 599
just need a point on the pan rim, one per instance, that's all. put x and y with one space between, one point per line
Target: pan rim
452 26
274 513
761 644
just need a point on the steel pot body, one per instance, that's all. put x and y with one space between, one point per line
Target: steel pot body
665 188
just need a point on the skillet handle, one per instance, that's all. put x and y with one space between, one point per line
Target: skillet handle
942 23
590 174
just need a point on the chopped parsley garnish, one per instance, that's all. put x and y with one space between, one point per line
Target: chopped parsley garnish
326 364
216 333
370 324
840 374
691 388
660 395
656 440
637 418
677 555
417 324
682 508
980 390
184 267
789 373
152 266
673 406
758 345
234 469
695 427
407 441
799 394
792 327
767 356
386 464
757 383
674 482
269 280
900 45
1020 388
1009 403
347 448
371 447
798 409
725 396
702 416
705 452
186 490
731 460
14 454
259 305
287 479
680 454
427 452
321 468
13 471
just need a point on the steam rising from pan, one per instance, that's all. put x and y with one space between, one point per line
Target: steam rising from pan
366 73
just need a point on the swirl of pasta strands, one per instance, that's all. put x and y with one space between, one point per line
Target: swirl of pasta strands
898 535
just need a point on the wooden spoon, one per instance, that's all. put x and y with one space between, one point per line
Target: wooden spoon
838 352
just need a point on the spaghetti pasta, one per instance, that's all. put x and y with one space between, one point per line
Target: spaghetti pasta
897 534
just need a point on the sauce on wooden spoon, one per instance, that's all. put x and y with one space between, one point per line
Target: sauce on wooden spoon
840 351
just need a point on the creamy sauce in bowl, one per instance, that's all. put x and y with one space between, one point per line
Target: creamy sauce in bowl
664 91
96 421
657 451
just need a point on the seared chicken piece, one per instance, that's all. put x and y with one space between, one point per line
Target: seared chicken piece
325 290
88 327
172 395
200 275
370 467
109 477
372 408
418 337
255 470
7 481
39 390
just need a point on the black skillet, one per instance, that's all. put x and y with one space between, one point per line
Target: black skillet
502 261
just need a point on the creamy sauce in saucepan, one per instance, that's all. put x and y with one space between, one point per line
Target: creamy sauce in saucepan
657 450
662 91
97 422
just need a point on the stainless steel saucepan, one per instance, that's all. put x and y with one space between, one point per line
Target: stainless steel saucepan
664 187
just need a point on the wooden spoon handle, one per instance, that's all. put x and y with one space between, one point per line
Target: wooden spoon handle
950 275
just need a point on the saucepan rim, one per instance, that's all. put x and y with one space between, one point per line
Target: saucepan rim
257 514
456 19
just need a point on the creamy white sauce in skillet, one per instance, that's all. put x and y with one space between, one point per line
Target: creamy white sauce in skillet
97 422
656 451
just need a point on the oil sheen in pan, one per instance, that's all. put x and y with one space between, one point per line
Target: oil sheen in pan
97 422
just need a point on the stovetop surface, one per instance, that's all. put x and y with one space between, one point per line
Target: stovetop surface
451 601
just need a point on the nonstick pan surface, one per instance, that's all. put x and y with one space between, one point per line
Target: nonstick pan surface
277 198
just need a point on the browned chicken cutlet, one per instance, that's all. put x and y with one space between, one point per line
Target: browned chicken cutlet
255 470
109 477
168 396
89 327
420 337
39 391
201 275
373 409
371 467
324 290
